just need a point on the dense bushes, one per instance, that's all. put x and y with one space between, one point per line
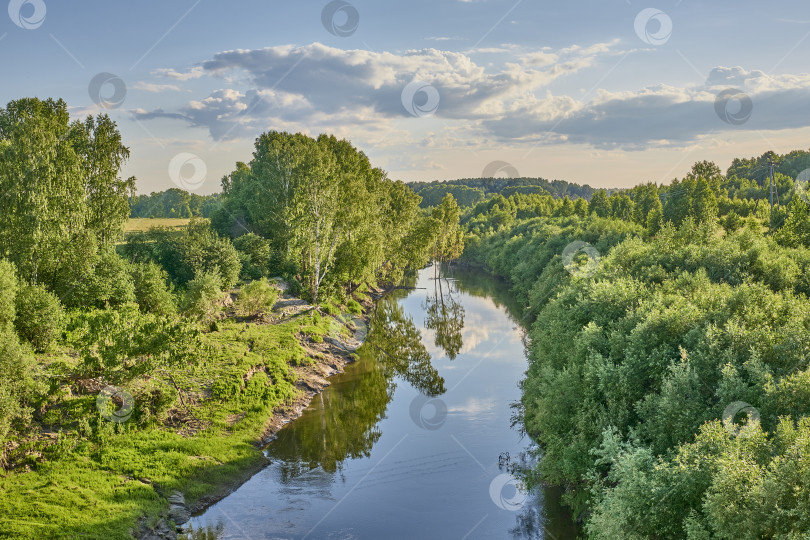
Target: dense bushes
256 297
196 249
667 333
40 317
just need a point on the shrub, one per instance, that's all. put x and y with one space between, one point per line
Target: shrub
151 289
254 252
354 307
16 365
108 284
8 291
202 294
257 296
40 317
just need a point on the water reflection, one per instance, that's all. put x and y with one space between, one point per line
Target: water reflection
358 440
347 422
445 315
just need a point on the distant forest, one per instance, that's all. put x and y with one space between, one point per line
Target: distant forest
173 203
747 178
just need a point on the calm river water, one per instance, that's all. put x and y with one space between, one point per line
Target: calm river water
413 441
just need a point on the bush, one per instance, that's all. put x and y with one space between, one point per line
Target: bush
16 365
8 291
354 307
108 284
201 296
254 252
151 289
255 297
40 317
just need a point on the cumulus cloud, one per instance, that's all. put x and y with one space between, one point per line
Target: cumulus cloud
660 115
512 102
316 81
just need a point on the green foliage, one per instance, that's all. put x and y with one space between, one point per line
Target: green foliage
8 292
316 196
174 203
60 194
202 296
432 195
186 253
254 252
40 318
675 324
108 283
16 371
121 344
256 297
152 291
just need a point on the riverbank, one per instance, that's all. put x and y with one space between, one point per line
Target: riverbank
328 358
196 430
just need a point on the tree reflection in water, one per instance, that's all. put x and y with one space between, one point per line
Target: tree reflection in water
343 421
445 314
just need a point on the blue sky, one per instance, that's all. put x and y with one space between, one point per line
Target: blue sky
597 92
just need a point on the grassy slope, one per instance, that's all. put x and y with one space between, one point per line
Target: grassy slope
100 484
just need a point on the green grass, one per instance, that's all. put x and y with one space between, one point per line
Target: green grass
99 479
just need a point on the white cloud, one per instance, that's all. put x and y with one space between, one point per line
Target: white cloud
156 88
360 91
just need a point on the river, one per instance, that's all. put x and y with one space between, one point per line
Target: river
412 441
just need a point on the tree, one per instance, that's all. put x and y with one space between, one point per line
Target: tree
60 195
600 204
645 202
704 206
450 238
40 317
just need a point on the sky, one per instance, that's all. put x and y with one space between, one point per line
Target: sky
609 93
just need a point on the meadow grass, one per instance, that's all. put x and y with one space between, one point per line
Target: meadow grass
144 224
100 479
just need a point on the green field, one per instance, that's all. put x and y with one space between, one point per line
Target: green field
144 224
